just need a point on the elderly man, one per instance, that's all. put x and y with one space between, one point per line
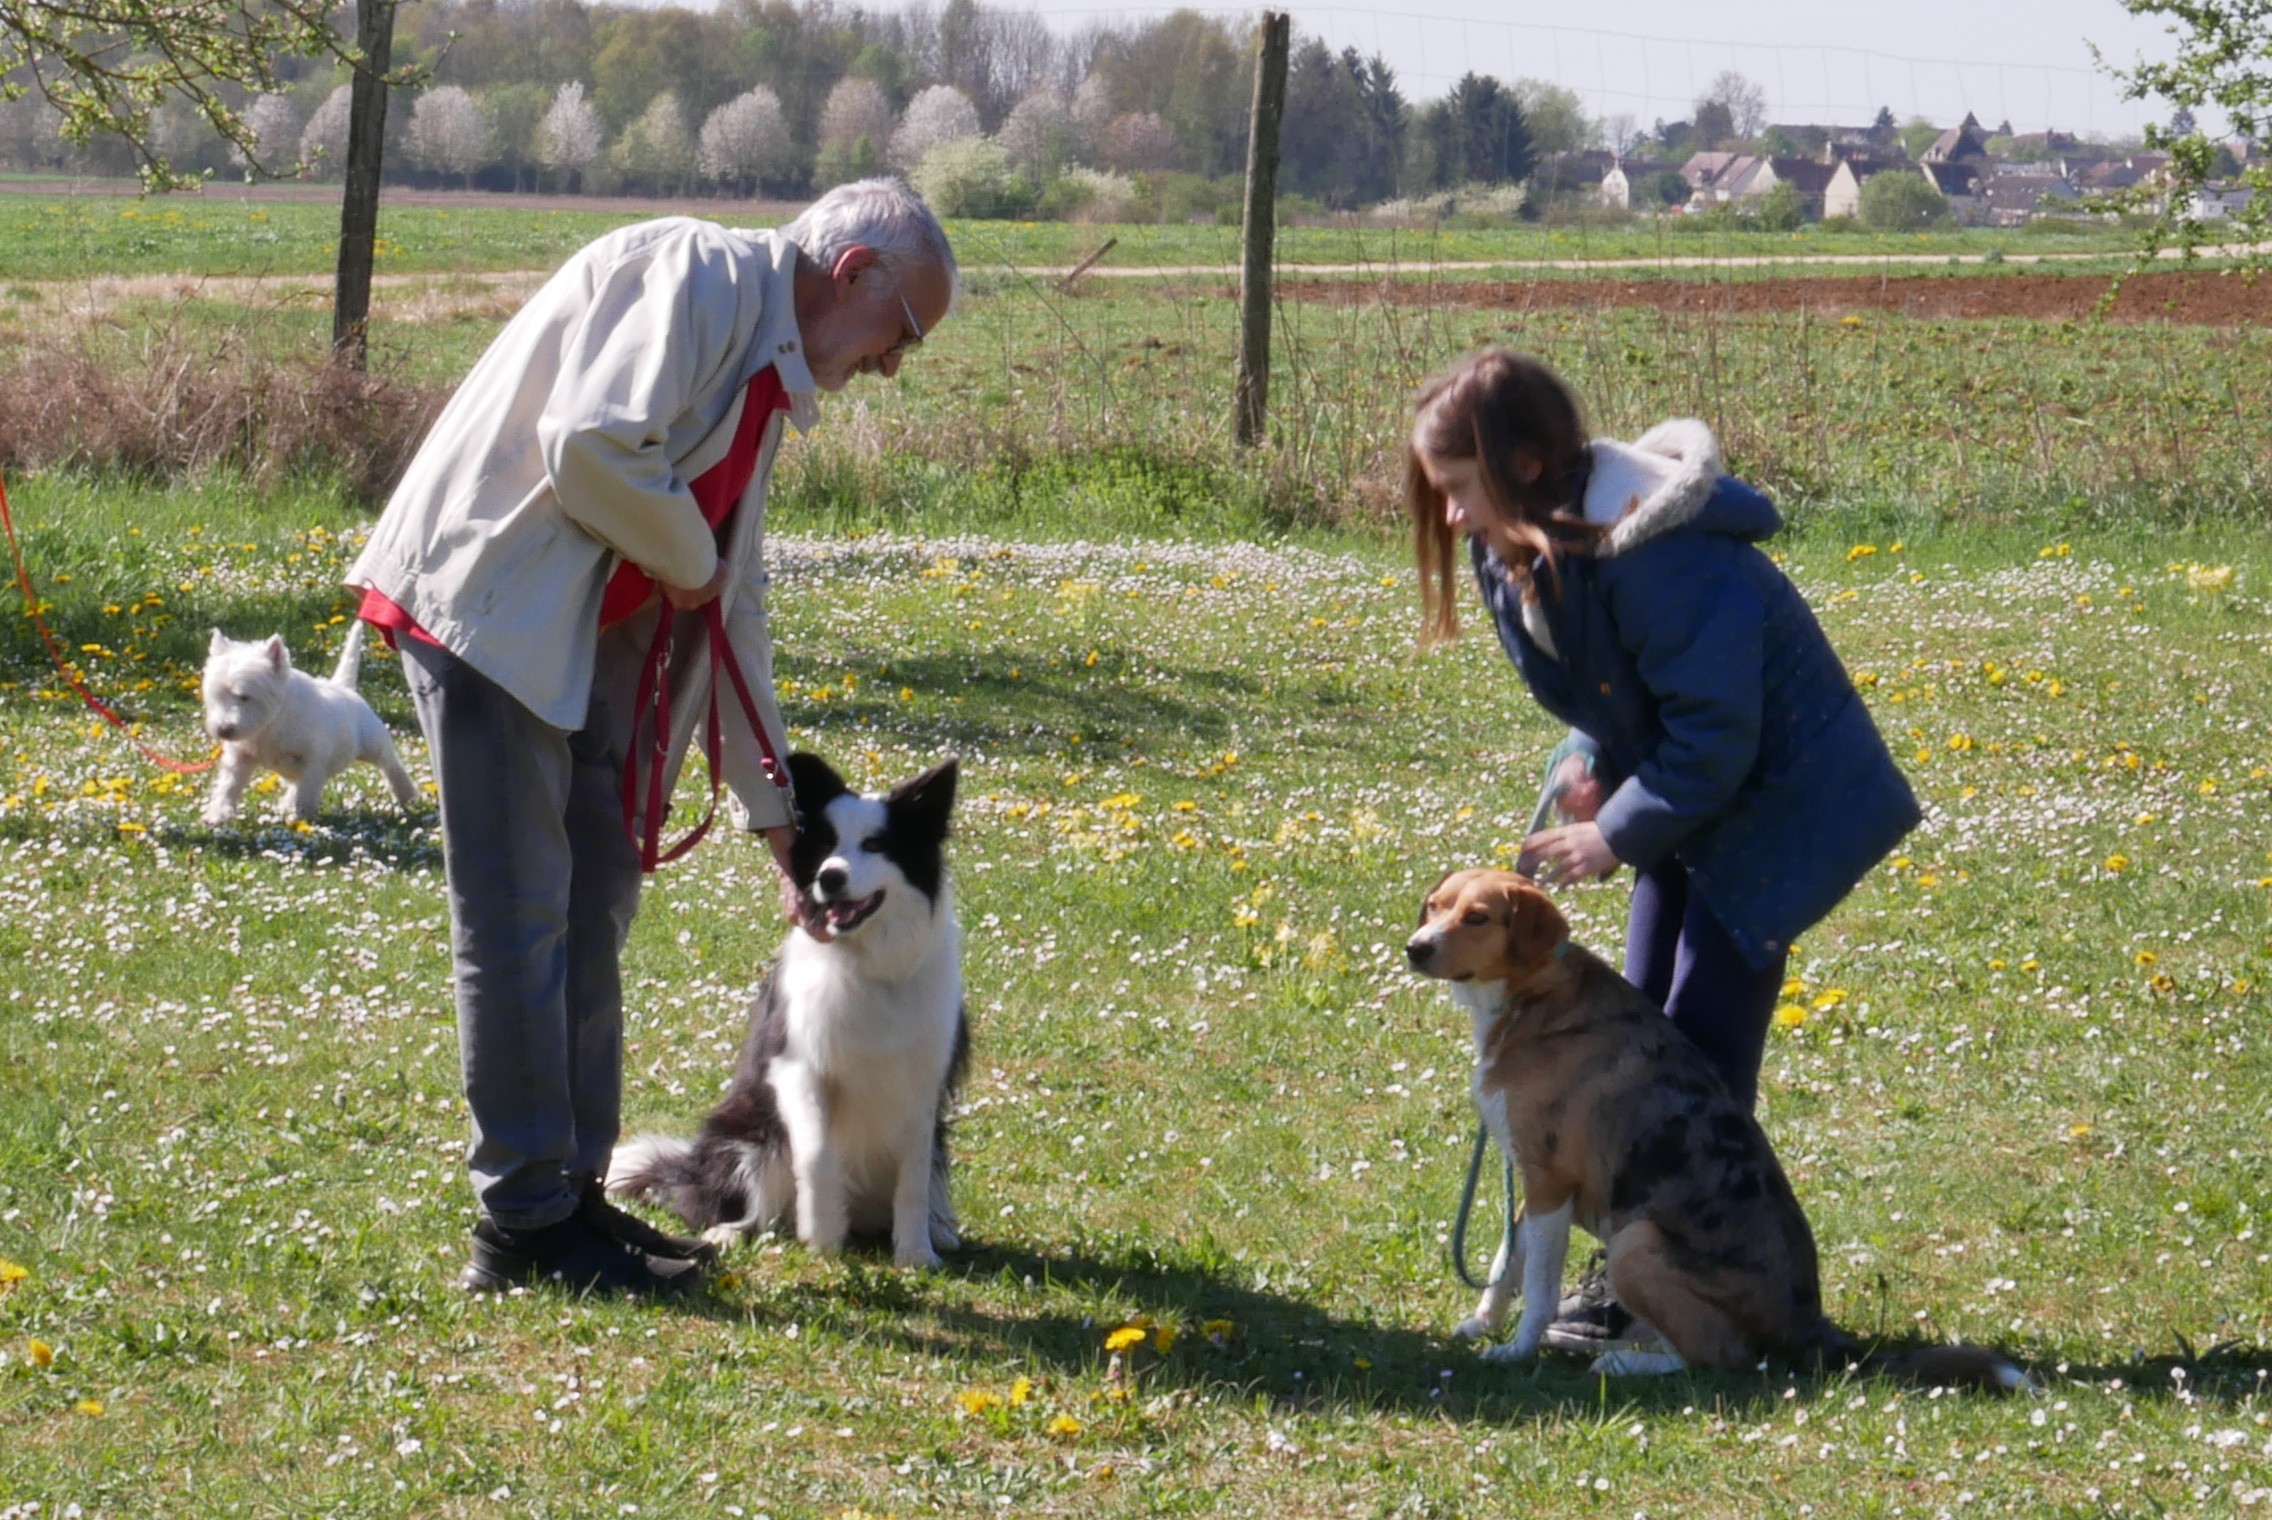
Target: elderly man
573 570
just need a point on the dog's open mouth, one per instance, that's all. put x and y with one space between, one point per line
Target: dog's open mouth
850 913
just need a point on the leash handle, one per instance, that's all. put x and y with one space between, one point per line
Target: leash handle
652 705
64 667
1467 1206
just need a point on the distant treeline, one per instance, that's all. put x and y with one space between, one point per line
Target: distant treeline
990 111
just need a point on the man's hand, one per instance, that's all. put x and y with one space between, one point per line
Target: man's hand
1574 852
793 905
686 600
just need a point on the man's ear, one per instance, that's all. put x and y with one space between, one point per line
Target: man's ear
1535 928
852 261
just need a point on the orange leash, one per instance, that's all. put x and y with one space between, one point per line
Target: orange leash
64 666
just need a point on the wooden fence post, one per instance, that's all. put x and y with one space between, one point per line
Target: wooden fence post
359 201
1251 398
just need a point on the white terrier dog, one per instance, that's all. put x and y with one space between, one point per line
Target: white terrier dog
269 716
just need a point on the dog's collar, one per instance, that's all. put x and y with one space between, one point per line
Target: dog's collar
1563 948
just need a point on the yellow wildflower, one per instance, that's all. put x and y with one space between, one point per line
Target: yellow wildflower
1020 1391
2118 863
89 1406
1790 1016
978 1400
1065 1427
1164 1338
11 1274
42 1354
1123 1338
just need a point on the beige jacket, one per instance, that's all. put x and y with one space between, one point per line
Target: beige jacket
567 450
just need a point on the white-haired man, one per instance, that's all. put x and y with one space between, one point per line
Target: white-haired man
582 529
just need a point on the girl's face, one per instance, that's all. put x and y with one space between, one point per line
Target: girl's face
1468 507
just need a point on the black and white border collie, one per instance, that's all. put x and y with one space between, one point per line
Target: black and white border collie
836 1118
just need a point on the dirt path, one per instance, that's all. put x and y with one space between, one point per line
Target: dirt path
2209 299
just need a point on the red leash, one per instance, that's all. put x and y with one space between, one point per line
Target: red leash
653 703
55 653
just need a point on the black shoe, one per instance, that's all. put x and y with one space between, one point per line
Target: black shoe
573 1255
594 1209
1590 1320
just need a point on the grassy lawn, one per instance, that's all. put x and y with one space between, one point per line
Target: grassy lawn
212 232
2021 1085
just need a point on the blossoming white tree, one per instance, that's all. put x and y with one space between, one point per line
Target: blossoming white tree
448 132
323 141
1138 141
745 140
1036 136
657 148
271 130
937 115
568 138
855 128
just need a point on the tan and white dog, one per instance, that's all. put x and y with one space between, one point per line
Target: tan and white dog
1619 1124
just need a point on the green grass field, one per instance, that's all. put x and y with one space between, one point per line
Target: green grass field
2020 1082
215 232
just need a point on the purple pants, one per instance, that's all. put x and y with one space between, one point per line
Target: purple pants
1677 953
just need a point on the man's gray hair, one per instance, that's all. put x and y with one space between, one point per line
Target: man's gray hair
884 214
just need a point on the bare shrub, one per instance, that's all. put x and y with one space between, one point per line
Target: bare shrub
171 405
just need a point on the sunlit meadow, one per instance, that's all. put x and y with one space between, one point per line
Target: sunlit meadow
1213 1133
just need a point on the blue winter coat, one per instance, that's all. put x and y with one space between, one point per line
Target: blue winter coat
1730 733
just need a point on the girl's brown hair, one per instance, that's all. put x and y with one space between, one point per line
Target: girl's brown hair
1490 408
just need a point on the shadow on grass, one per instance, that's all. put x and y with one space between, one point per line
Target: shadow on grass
337 837
1110 705
1292 1354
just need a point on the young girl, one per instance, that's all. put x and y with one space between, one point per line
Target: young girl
1724 754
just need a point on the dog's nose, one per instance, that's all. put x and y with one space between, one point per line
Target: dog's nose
1418 950
831 878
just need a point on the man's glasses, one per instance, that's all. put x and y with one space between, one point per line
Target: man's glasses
899 350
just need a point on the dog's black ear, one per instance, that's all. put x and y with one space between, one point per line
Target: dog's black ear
813 782
278 656
928 800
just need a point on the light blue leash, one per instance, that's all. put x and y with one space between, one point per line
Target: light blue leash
1548 795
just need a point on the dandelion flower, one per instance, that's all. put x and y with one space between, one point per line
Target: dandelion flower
11 1273
1065 1427
1020 1391
1164 1339
42 1354
89 1406
1790 1016
1124 1337
2118 863
978 1400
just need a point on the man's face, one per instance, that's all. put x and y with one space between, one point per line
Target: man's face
870 319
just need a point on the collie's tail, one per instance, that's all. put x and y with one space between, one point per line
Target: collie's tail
1930 1366
653 1167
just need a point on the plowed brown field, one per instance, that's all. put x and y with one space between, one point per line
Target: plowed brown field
2210 299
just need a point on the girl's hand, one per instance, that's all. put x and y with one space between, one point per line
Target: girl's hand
1574 852
793 905
1580 796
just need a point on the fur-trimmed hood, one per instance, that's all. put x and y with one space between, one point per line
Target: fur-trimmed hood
1668 478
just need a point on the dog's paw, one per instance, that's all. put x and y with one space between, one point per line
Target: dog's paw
723 1236
1474 1328
218 817
1510 1351
945 1237
921 1259
1630 1363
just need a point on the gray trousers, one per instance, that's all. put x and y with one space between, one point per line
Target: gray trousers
543 885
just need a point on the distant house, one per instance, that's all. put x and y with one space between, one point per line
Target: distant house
2217 200
1703 173
1960 143
1628 180
2044 147
2119 173
1842 192
1808 177
1961 183
2010 199
1582 170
